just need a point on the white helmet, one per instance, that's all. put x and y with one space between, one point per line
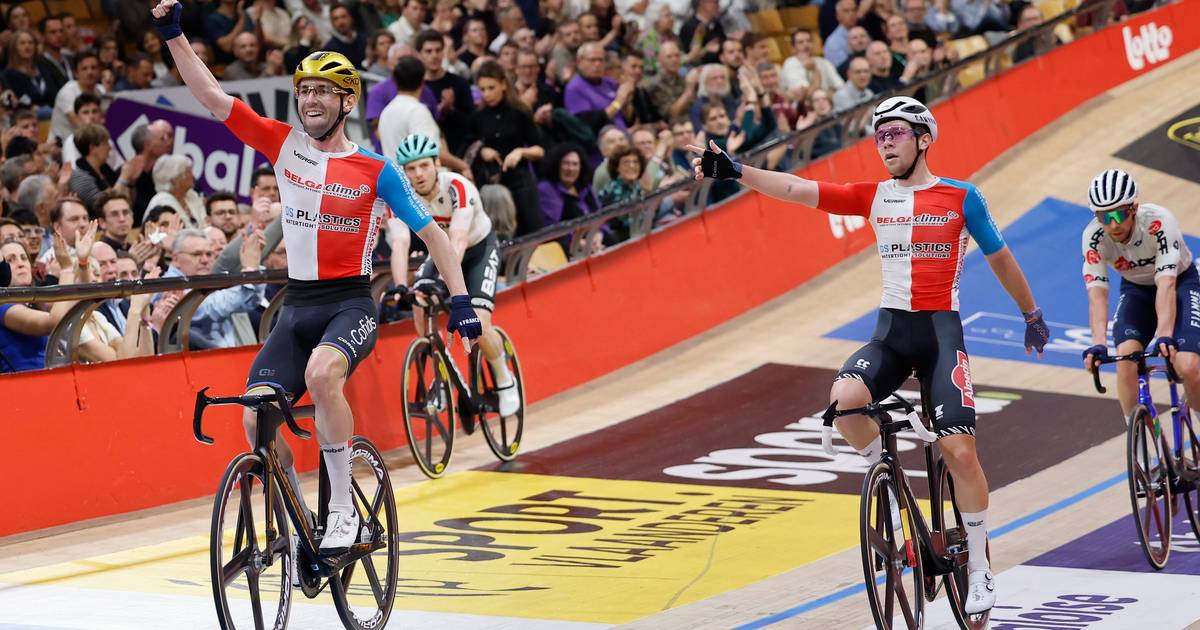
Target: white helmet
904 108
1111 189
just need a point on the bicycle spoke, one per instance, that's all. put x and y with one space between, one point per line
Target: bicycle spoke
255 599
879 544
902 596
244 487
281 546
889 592
373 577
371 507
235 567
428 440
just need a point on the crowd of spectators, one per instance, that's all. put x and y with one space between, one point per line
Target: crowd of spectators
555 109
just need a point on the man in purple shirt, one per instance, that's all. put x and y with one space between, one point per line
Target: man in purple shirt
592 97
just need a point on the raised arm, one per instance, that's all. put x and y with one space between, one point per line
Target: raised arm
716 164
198 78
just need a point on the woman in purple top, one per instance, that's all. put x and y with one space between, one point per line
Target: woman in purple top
564 191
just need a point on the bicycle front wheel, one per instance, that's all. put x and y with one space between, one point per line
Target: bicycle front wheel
1187 465
251 564
503 434
891 553
364 590
428 408
1149 485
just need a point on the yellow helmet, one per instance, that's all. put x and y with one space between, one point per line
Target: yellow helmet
330 66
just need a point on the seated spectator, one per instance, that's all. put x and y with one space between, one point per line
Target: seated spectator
346 39
981 16
92 175
175 184
783 107
919 60
161 225
88 112
247 59
212 324
25 77
830 138
511 19
203 51
274 22
718 129
221 209
10 230
837 44
455 104
927 24
656 153
151 43
1031 17
640 109
219 241
564 191
499 206
702 33
714 88
37 194
885 75
445 16
69 218
222 26
561 66
109 51
897 39
671 93
317 13
377 53
115 213
532 90
510 141
682 135
411 22
804 72
31 232
857 89
858 42
595 99
99 339
64 121
24 329
301 43
139 73
611 140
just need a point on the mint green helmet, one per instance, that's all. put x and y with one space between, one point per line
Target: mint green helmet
415 146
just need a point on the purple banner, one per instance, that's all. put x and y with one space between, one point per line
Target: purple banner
219 160
1115 547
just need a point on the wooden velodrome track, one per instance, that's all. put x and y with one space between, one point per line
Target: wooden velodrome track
1057 161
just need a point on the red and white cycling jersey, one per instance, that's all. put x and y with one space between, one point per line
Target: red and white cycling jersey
921 233
332 202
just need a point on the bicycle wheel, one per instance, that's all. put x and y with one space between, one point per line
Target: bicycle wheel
1149 485
428 408
955 582
251 565
364 590
503 434
891 555
1188 465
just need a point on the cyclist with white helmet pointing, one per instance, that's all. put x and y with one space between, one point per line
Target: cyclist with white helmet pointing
334 194
1160 287
922 224
456 207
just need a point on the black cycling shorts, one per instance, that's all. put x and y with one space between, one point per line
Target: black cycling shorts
929 344
480 266
347 326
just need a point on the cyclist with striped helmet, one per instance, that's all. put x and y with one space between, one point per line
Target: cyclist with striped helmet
334 196
1160 288
456 207
923 224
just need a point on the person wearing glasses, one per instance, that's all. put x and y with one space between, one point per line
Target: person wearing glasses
922 225
1159 307
333 194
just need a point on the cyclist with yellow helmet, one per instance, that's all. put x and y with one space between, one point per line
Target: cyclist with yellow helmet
334 194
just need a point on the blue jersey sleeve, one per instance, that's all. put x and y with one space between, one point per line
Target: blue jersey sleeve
395 190
979 222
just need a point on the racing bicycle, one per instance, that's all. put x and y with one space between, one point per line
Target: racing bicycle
1158 474
903 555
254 561
435 391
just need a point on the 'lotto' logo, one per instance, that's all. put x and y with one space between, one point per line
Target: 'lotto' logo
1152 44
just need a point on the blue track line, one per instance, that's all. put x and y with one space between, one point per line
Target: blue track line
995 533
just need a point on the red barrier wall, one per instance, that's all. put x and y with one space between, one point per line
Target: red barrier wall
89 441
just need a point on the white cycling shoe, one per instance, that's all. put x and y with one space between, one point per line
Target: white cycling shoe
341 532
510 399
981 593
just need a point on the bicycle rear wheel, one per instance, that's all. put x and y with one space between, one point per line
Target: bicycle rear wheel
428 408
364 590
891 554
251 565
1187 465
955 582
503 434
1149 485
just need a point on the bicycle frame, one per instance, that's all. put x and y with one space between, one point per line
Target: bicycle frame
466 399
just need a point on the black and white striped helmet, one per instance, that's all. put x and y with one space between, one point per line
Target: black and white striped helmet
904 108
1112 189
